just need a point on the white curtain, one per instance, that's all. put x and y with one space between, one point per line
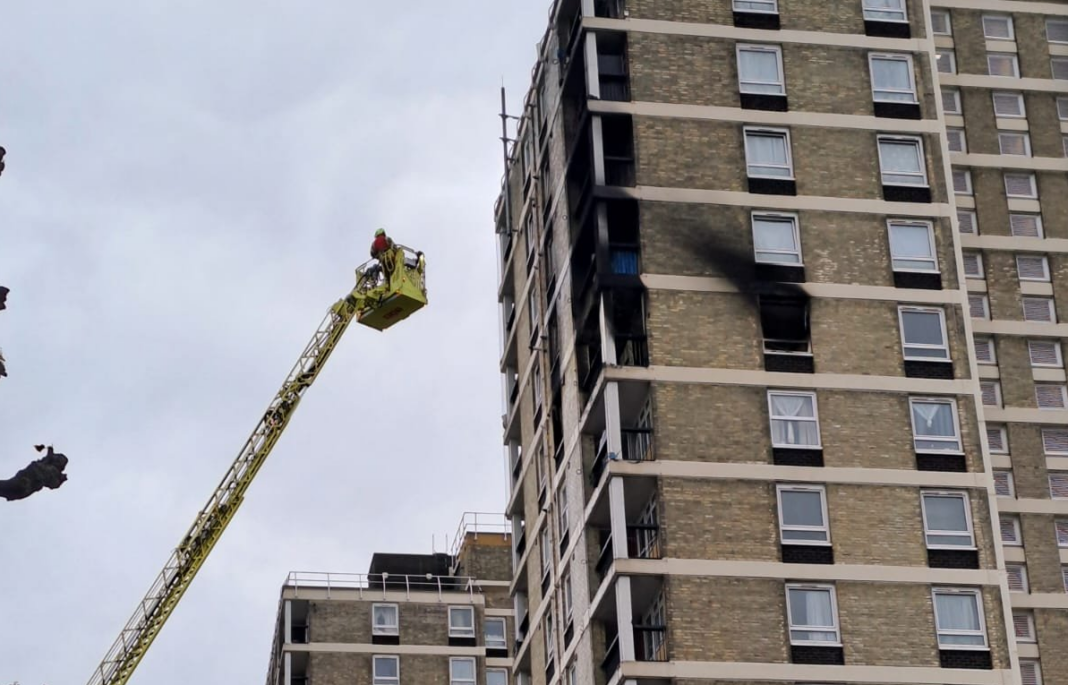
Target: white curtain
900 157
958 612
384 616
767 150
933 419
759 70
891 79
774 235
787 432
812 608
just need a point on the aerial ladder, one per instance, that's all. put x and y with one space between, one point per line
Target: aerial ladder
387 290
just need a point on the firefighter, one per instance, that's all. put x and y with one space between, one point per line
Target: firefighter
382 250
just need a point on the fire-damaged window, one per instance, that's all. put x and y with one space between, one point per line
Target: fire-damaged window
785 325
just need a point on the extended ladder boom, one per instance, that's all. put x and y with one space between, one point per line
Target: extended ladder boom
366 300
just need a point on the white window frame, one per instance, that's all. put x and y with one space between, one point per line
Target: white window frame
1052 474
782 133
903 11
1025 582
1051 20
1033 181
1019 99
785 529
1032 664
834 630
901 311
1059 364
1045 449
928 532
988 342
1029 621
951 62
957 140
1014 134
959 449
377 679
973 221
1038 224
892 57
1009 480
815 418
975 258
1049 303
948 19
1003 436
385 629
747 6
502 672
977 595
996 387
984 301
777 217
546 549
917 142
453 680
1045 278
967 176
548 632
493 620
1007 18
563 505
954 95
890 224
568 597
1062 108
1053 62
1017 531
461 631
1061 524
1013 59
754 47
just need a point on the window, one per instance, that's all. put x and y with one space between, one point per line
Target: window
946 61
1062 532
1010 530
1009 105
1017 574
962 182
957 141
1059 67
1003 484
1045 353
461 622
959 619
495 636
1021 185
385 619
934 425
901 161
386 670
1039 310
923 333
978 306
794 422
572 675
973 265
885 10
1055 441
1030 673
762 6
496 676
912 246
767 153
461 671
563 525
1002 64
760 70
549 634
536 385
1062 108
1025 225
1023 624
546 550
947 520
776 239
1064 145
997 27
951 101
1057 31
803 515
1058 484
1064 576
967 222
991 393
813 615
1032 268
940 23
784 324
984 351
569 598
997 439
1014 143
892 78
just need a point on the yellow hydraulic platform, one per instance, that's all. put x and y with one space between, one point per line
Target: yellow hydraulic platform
377 301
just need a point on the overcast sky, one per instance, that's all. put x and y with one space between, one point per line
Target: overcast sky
189 186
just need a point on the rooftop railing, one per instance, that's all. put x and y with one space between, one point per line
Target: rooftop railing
374 585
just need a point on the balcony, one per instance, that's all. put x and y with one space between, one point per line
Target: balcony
650 643
637 447
609 9
649 633
643 542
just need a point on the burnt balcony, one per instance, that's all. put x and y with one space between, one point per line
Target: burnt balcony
643 542
637 447
610 662
609 9
650 643
613 78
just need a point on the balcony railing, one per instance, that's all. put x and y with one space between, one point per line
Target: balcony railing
604 558
619 171
610 9
374 584
650 643
643 542
637 446
610 663
632 350
614 90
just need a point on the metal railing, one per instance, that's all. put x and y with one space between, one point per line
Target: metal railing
643 542
637 446
609 9
375 584
475 522
610 663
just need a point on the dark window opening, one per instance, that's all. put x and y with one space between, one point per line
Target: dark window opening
612 71
609 9
785 325
618 137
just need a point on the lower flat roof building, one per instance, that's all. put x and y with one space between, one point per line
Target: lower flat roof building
412 618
